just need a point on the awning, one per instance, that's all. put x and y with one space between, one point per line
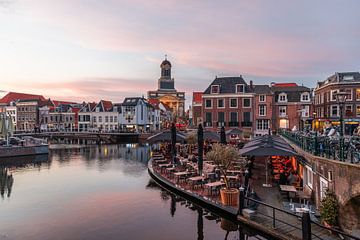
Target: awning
166 137
267 146
234 131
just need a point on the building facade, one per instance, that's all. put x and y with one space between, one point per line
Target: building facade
292 107
228 102
166 92
326 106
263 110
27 115
197 108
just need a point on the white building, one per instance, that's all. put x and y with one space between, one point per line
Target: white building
137 115
103 117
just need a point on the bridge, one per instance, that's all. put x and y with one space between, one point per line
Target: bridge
113 137
343 178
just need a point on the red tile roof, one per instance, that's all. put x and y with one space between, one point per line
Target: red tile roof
14 96
284 85
197 97
107 105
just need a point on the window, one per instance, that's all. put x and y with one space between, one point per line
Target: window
111 118
334 110
305 111
115 118
262 98
221 103
282 97
221 117
308 177
208 119
282 111
262 124
333 95
208 103
246 102
305 97
262 110
94 119
247 117
215 89
358 94
240 88
348 110
349 96
358 110
106 118
100 118
233 102
234 116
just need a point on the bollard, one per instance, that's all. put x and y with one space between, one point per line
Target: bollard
241 200
306 225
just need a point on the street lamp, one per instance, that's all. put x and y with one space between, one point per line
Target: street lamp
341 98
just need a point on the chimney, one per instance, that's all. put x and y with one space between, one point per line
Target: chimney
251 85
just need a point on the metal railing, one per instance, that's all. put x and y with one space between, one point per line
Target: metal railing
325 146
279 218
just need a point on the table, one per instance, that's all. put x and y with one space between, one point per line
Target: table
161 161
178 175
289 189
165 165
298 209
195 180
214 185
234 171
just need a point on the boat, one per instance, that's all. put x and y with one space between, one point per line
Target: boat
11 146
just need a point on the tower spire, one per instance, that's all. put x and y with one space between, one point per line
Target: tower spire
165 56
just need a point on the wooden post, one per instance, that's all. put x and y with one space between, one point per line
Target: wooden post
306 226
241 200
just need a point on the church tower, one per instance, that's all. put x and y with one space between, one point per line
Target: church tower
165 81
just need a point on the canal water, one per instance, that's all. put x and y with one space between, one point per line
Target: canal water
97 192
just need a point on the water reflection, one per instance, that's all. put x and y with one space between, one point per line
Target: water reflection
6 182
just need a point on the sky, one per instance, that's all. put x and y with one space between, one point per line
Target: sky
87 50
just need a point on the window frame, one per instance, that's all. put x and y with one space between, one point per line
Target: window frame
237 102
212 90
211 103
243 102
264 106
243 88
223 100
282 95
262 95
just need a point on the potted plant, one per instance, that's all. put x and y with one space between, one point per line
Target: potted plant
191 140
329 209
224 157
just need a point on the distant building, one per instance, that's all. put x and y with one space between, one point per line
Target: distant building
138 115
263 110
27 115
196 108
326 106
293 106
167 93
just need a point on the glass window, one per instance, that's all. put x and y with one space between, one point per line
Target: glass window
100 119
333 95
208 117
262 98
262 110
348 110
240 88
334 110
358 110
208 103
247 116
233 102
358 94
221 103
234 116
221 117
262 124
246 102
215 89
305 97
282 111
282 97
94 118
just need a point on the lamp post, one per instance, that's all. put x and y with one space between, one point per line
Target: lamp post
341 98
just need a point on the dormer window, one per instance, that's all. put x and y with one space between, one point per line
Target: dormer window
348 77
305 97
282 97
215 89
240 88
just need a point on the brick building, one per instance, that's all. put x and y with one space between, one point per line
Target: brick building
197 108
292 106
263 110
228 102
27 115
327 108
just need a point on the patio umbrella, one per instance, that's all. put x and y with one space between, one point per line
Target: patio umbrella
165 136
234 131
213 136
222 135
173 142
200 137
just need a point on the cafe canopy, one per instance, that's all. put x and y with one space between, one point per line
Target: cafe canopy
165 136
267 145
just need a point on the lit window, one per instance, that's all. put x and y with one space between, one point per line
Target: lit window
358 94
358 110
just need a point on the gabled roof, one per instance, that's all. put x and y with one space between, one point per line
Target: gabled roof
131 101
88 107
57 103
197 97
262 89
293 91
14 96
340 77
228 84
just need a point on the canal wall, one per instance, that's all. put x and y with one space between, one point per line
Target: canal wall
340 177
